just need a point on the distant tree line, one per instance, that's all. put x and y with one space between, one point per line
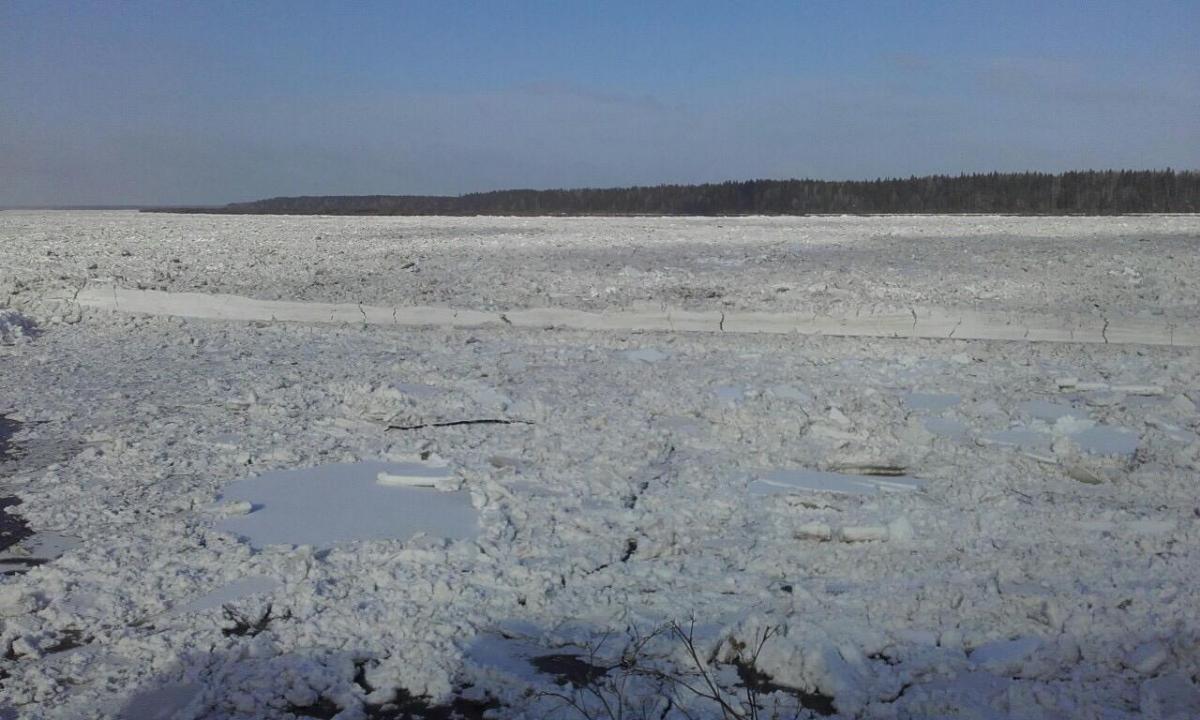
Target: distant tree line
1087 192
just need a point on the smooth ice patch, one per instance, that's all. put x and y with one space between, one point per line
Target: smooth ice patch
946 427
1107 440
229 592
729 393
509 655
418 390
646 355
931 402
165 703
331 504
788 481
789 392
1051 412
1029 440
38 548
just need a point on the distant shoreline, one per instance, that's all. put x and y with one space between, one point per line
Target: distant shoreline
1107 192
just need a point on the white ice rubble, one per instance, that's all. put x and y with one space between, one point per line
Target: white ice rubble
14 326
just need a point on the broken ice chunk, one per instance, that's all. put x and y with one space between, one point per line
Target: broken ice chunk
1148 657
418 475
1170 697
1005 657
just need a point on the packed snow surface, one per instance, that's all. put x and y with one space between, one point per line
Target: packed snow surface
280 467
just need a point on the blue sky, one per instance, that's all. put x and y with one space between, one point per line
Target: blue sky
207 102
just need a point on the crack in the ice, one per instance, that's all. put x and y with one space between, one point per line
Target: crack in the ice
721 323
453 423
1104 331
954 329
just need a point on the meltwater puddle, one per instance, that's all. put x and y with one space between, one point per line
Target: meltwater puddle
348 502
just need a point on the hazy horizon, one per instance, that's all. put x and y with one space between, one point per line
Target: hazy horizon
168 104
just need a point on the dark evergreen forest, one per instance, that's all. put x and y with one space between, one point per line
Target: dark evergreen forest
1086 192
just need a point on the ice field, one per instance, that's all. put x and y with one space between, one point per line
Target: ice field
849 467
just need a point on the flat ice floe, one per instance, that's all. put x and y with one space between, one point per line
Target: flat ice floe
931 402
1050 412
345 502
1107 440
926 322
946 427
229 592
782 482
645 355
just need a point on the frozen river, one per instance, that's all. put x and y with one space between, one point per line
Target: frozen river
303 466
